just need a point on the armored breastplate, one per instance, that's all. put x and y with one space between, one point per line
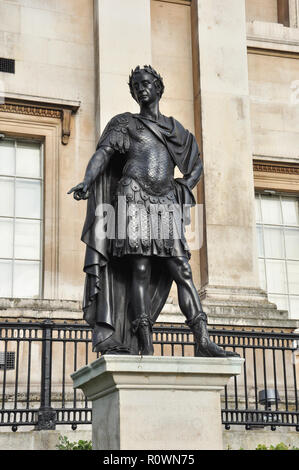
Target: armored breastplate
149 163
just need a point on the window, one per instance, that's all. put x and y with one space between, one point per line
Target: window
278 248
21 218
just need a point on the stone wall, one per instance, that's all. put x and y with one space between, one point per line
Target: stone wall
265 10
234 439
52 43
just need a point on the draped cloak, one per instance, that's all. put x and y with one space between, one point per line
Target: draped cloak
106 303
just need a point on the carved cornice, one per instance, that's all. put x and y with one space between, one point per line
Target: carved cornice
271 167
44 110
31 110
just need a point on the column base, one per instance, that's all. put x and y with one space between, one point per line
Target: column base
242 307
234 307
154 402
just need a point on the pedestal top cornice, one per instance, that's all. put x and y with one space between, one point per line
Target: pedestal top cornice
115 372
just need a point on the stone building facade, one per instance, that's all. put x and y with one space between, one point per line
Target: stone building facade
231 74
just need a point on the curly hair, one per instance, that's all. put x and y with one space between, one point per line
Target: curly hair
148 69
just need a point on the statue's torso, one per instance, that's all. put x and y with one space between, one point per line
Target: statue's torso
148 161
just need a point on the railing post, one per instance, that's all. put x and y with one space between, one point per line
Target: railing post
46 414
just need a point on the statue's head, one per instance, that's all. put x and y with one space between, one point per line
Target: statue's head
146 69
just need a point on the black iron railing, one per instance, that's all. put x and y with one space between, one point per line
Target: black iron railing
36 360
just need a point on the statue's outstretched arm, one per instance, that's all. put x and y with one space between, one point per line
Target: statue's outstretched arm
96 165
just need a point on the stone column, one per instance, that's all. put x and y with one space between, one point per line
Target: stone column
229 268
157 402
122 40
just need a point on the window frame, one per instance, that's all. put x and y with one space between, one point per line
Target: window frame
279 177
29 140
283 227
46 130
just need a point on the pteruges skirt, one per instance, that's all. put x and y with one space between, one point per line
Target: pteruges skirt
145 224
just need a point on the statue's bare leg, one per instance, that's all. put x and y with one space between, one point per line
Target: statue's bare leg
191 307
142 325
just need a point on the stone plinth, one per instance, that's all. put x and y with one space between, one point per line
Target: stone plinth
156 402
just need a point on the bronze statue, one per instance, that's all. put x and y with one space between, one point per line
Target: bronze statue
129 274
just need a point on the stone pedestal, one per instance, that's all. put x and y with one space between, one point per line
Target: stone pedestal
156 402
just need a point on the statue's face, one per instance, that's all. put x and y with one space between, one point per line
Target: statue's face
144 87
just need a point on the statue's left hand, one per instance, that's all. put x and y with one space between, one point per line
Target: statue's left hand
80 191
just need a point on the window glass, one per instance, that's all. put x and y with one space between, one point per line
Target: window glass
7 158
258 210
26 279
6 197
281 301
28 160
274 245
6 231
27 239
292 243
293 276
276 276
262 272
290 211
260 241
28 198
271 210
5 278
294 305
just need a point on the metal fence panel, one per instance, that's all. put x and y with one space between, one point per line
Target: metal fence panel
36 360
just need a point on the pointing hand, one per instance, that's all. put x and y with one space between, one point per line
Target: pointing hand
80 191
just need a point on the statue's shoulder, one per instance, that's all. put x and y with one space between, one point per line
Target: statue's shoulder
116 133
119 120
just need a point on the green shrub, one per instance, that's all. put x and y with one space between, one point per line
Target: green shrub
65 444
280 446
